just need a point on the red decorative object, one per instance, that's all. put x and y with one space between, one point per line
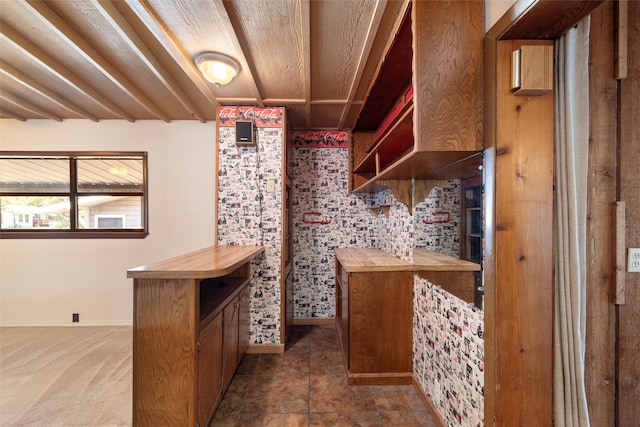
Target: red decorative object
441 221
307 221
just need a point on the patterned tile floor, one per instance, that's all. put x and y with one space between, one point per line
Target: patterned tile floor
307 386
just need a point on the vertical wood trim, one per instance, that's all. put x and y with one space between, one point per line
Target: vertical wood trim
621 10
284 227
216 180
628 338
523 251
490 114
601 185
619 227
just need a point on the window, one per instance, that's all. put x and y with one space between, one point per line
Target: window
73 195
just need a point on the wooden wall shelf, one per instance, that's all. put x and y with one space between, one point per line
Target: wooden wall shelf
434 129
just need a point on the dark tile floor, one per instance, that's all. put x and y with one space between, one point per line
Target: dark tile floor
307 386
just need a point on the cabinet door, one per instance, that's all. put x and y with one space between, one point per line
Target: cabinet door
230 341
210 369
244 324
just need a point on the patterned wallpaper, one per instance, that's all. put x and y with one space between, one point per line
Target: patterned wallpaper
250 214
448 353
324 217
437 220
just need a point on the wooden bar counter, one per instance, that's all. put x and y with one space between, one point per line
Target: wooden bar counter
190 329
374 316
374 308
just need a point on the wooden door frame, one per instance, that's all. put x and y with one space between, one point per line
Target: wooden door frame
518 276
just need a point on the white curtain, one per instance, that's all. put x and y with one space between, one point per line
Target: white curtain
572 136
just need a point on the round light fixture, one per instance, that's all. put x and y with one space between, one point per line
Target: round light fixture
218 68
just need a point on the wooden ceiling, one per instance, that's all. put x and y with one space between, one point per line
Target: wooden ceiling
133 59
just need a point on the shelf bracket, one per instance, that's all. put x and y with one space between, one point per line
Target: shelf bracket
402 190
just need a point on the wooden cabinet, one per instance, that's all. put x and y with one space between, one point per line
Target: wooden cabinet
244 323
423 114
210 386
186 323
374 301
230 327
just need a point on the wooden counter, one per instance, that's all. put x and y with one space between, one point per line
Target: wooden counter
190 328
456 276
214 261
374 308
425 260
374 316
369 259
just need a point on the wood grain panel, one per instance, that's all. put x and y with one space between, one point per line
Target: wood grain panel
447 75
628 394
545 19
380 318
210 370
602 187
279 64
230 340
524 253
458 283
330 29
164 352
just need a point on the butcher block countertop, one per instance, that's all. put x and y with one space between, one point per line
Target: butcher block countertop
425 260
214 261
368 259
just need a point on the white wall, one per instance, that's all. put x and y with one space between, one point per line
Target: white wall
42 282
493 10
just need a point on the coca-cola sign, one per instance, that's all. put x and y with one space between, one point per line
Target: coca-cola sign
260 116
320 139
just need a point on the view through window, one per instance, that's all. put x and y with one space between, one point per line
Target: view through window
70 195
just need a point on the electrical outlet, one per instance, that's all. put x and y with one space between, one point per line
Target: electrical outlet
633 261
271 185
75 317
437 392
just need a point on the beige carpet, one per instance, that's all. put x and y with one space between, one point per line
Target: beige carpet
65 376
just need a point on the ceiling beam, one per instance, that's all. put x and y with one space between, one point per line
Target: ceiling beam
40 89
244 64
129 35
26 105
60 71
57 25
147 15
11 114
371 32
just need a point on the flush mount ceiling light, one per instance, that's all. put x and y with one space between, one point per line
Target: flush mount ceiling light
218 68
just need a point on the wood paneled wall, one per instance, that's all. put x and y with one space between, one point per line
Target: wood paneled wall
628 325
601 185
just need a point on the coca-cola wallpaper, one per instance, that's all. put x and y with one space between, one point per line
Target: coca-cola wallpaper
261 117
325 139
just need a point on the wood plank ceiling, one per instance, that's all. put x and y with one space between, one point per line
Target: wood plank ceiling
133 59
